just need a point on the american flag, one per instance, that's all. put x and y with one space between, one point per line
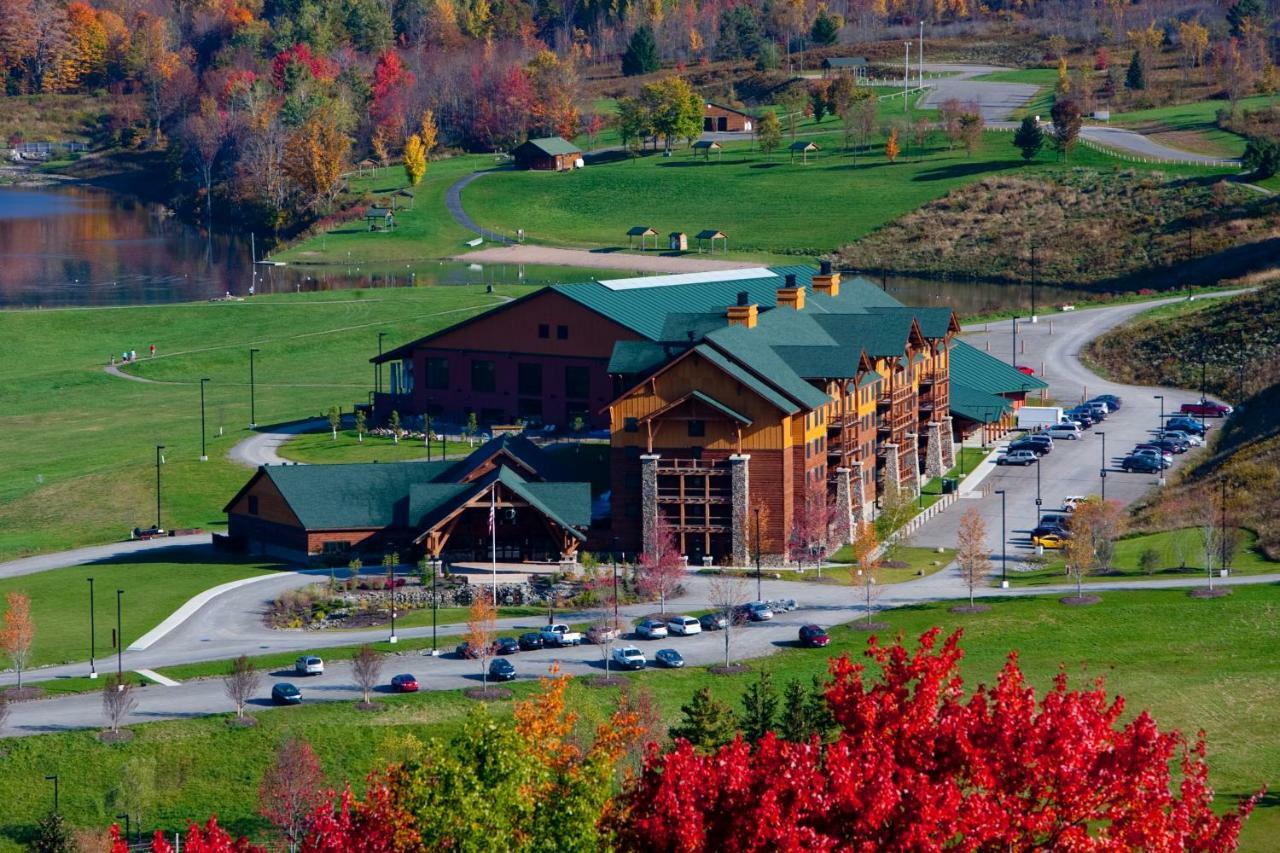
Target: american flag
491 510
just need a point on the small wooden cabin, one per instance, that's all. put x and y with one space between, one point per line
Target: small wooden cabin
549 154
717 118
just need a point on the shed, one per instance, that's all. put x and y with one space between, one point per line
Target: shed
855 65
802 147
717 118
678 241
706 146
403 194
549 154
644 232
709 237
380 219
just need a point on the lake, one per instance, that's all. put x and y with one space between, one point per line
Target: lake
79 246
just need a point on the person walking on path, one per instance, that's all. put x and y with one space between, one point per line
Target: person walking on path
153 350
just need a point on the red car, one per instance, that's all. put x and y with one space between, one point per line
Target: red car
1207 409
404 684
814 636
1022 368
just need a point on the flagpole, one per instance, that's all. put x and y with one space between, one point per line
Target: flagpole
493 537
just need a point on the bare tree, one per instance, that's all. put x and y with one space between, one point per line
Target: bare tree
241 683
1211 540
868 555
1094 526
726 593
117 701
366 667
972 554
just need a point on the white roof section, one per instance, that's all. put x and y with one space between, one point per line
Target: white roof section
687 278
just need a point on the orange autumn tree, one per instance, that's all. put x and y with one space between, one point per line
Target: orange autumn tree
891 149
19 631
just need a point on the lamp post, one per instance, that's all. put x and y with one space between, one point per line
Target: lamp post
1038 501
159 461
204 454
54 778
759 586
435 601
253 416
119 638
1013 356
1160 424
377 365
125 815
1102 472
906 74
93 669
391 594
1223 564
920 55
1033 283
615 581
1004 544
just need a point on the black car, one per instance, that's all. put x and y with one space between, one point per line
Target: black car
1039 448
713 621
1142 463
284 693
669 658
506 646
530 642
1082 416
1171 445
502 670
1112 401
464 650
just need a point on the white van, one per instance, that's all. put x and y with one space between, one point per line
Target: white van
1070 432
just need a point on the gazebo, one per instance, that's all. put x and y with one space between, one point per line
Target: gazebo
380 219
706 146
802 147
643 232
405 193
366 166
709 237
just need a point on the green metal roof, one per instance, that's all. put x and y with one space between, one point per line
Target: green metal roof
631 357
802 145
977 405
553 145
759 386
722 408
984 372
567 504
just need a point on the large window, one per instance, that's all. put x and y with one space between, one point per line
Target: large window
697 428
577 382
529 378
483 375
437 373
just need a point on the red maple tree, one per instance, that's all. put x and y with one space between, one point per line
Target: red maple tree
210 838
917 766
660 569
376 825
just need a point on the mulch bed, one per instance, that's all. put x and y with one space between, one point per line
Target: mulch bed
1205 592
605 681
971 608
864 625
487 694
245 722
25 694
122 736
731 669
1079 600
370 706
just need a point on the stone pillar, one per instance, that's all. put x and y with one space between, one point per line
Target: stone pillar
845 507
648 500
933 458
740 477
948 444
912 463
862 507
892 468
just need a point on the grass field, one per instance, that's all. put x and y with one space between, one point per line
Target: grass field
920 563
1192 126
812 208
1192 663
79 445
153 587
1173 547
315 447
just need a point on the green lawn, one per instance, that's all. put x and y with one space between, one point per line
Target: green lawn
1192 663
1034 76
314 447
153 587
920 563
1173 546
811 208
1192 126
79 445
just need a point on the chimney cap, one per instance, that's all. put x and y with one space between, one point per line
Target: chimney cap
791 279
743 298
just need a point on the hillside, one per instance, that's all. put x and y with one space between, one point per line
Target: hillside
1163 350
1138 227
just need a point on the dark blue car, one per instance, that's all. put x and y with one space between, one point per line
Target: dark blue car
502 670
669 658
285 693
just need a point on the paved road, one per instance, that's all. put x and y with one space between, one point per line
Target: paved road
996 101
261 446
98 553
453 201
1052 348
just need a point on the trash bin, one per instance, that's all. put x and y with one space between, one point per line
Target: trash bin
949 485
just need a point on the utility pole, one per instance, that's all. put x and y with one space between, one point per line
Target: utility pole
204 453
93 670
159 461
906 75
1224 565
119 639
920 54
253 417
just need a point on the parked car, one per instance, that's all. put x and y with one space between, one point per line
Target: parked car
1152 450
1055 519
1018 457
783 605
284 693
502 669
1170 445
684 625
669 658
1207 408
1070 502
530 642
308 665
506 646
1050 541
758 611
1082 416
1099 410
1039 448
628 657
1022 368
814 636
560 635
1071 432
1041 439
466 650
1187 425
1142 463
404 683
1112 401
1192 439
651 629
601 634
713 621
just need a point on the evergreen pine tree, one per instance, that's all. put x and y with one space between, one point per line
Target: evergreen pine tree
759 708
707 723
821 720
1029 138
793 725
641 56
826 28
1136 77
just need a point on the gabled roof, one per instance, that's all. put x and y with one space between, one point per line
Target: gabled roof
566 504
984 372
710 234
706 143
641 231
701 397
728 109
803 145
977 405
516 447
552 146
844 62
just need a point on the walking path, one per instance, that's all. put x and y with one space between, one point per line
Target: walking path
453 201
260 447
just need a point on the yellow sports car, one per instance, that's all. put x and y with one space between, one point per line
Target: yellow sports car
1051 541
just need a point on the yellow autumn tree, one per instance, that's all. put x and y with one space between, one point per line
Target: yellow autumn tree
429 134
316 156
1064 79
379 145
415 160
891 149
1194 38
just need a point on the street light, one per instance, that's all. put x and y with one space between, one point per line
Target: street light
1224 566
759 594
204 455
1033 282
906 74
1013 356
1004 544
1160 425
391 590
377 365
119 640
435 601
614 555
1102 472
253 417
1038 501
125 815
93 670
54 779
159 461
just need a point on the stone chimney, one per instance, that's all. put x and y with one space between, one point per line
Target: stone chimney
826 282
790 295
744 313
